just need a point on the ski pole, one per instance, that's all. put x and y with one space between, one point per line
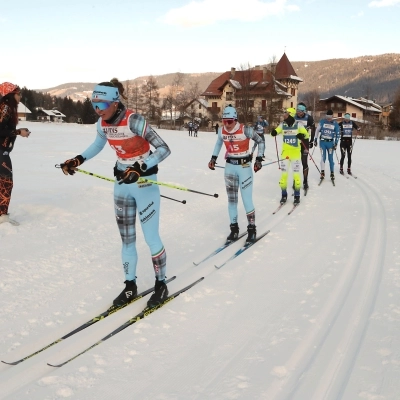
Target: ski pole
352 146
277 156
172 186
337 158
113 180
310 156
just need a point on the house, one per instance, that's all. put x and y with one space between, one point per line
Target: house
49 115
360 109
23 112
256 91
196 109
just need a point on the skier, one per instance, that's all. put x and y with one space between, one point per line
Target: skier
260 127
293 133
130 137
346 141
329 138
308 122
8 134
190 126
195 128
238 172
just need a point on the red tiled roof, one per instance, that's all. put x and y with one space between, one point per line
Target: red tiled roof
263 85
284 69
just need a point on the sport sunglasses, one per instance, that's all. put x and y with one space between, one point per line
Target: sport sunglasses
102 105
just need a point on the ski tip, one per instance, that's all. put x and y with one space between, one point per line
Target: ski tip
55 366
11 363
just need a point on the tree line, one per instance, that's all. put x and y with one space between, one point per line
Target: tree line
144 98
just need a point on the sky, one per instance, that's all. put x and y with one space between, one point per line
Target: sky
311 311
94 41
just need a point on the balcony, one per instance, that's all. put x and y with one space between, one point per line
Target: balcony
214 110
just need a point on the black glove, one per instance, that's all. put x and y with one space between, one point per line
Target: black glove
274 132
251 157
132 173
257 164
315 143
300 136
311 144
212 162
68 167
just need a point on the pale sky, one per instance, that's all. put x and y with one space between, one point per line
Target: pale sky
47 43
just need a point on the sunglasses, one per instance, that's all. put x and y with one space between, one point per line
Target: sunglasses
102 105
228 120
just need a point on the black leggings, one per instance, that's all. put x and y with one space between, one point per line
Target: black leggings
6 182
304 157
345 146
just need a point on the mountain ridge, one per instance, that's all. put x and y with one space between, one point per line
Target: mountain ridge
375 77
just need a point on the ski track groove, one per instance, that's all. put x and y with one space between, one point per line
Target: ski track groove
334 380
334 377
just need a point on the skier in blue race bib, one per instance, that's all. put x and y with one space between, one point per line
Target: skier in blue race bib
346 141
328 133
130 137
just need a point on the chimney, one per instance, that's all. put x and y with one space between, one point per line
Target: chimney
233 70
264 70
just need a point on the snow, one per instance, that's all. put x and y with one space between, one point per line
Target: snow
310 312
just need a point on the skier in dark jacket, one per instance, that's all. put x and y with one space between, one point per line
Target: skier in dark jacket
346 141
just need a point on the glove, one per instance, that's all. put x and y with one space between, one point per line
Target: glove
315 143
274 132
212 162
68 167
311 144
132 173
300 136
257 164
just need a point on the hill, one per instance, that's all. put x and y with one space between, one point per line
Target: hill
377 77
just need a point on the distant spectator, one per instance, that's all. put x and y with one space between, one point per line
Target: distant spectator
216 128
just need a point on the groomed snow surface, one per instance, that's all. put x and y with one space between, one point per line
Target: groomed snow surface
310 312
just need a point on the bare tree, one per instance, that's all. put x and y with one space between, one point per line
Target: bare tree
151 98
311 99
244 96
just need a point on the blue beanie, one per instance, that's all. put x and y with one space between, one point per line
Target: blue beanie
107 93
301 108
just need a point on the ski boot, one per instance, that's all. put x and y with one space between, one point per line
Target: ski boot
127 295
159 295
349 171
305 185
251 234
341 171
284 197
332 176
234 232
296 200
322 175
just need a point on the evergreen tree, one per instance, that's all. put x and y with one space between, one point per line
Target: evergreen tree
151 98
88 114
394 116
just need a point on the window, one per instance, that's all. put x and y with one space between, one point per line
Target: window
229 95
339 114
264 105
353 115
199 106
333 105
293 91
214 104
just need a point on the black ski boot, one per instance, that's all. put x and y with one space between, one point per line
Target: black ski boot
234 232
349 171
159 295
127 295
296 200
332 176
305 185
251 234
341 171
322 175
284 197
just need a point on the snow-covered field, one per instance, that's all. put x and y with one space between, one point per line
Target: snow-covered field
310 312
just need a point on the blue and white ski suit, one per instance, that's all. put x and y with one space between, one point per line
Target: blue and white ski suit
130 136
328 132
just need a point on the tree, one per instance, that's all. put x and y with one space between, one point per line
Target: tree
151 98
135 96
88 114
394 116
245 97
311 99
